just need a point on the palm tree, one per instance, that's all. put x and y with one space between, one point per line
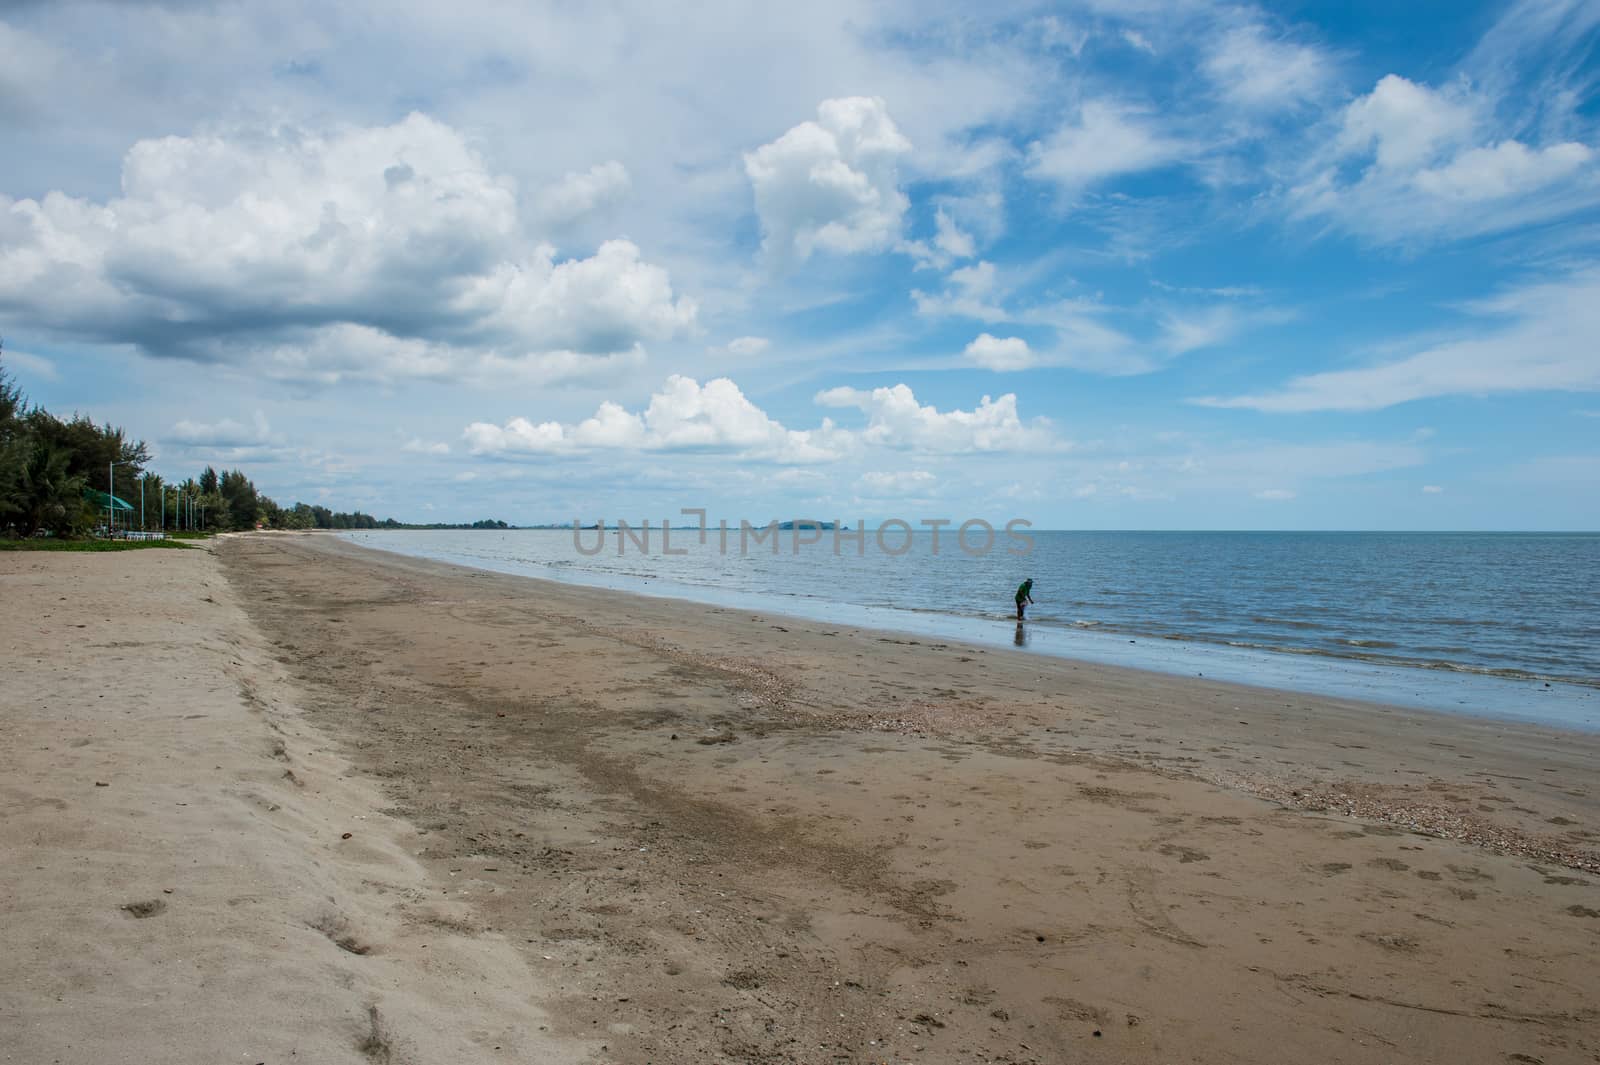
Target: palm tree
50 497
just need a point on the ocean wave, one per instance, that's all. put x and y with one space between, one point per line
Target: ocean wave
1439 664
1286 623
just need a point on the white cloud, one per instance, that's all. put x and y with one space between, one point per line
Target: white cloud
224 432
748 346
682 416
36 365
1138 40
832 184
1187 332
878 485
1084 338
1504 170
1054 32
392 241
949 238
1000 353
1085 342
950 243
579 195
895 419
599 305
1255 70
1431 166
1275 494
1432 489
418 446
969 292
1108 140
1544 342
1193 328
1404 124
518 434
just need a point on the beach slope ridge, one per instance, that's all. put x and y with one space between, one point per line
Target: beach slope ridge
192 873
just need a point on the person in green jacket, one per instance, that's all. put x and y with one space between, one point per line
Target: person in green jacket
1024 596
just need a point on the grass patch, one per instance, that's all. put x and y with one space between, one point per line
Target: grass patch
90 545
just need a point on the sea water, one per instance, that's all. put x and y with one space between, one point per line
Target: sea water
1501 624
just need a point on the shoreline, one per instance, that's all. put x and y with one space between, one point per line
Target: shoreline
1365 795
1450 688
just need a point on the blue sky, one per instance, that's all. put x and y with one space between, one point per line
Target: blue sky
1109 264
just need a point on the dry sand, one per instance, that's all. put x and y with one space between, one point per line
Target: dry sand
176 886
673 833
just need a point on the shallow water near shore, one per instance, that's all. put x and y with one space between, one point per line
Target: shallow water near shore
1499 625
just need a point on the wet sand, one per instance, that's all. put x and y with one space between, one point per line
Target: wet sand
707 835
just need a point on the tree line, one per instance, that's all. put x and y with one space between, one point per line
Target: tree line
51 468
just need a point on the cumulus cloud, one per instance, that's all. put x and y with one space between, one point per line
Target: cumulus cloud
1000 353
1106 141
1537 337
1275 494
683 416
1432 489
393 245
832 184
1404 124
1411 162
599 305
418 446
580 195
717 418
895 419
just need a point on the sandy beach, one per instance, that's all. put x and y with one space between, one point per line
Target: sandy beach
293 800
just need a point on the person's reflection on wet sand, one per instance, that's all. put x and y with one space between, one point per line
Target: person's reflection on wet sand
1022 635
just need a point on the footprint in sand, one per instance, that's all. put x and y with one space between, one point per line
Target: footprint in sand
1334 868
151 907
1397 943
